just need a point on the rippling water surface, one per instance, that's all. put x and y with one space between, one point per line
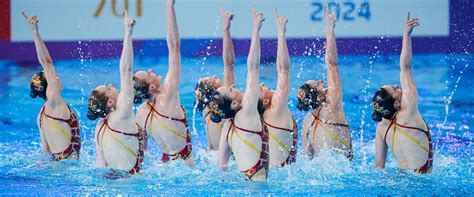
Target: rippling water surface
446 101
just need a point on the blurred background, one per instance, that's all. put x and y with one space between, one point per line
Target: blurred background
93 29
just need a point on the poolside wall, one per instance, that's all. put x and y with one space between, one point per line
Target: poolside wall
93 29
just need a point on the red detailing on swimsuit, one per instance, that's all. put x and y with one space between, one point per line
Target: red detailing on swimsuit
292 156
350 154
263 161
316 118
75 144
138 164
187 150
429 162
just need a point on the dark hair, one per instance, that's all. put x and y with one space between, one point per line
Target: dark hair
221 107
203 93
308 98
140 90
382 103
38 85
261 109
97 105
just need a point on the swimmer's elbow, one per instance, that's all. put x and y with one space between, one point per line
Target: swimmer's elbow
174 46
405 66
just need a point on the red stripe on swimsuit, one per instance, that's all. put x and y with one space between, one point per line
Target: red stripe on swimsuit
292 156
316 118
429 162
138 164
75 144
263 162
186 152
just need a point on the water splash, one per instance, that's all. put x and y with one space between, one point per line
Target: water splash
448 99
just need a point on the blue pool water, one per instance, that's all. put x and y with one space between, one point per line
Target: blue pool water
446 101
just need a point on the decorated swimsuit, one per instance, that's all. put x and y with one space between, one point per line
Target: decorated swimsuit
429 150
75 137
186 151
291 151
318 122
140 154
263 161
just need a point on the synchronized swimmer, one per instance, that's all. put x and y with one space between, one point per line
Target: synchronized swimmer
256 126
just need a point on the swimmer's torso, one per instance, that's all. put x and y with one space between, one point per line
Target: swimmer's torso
281 141
213 130
328 130
57 133
246 146
408 153
166 125
120 151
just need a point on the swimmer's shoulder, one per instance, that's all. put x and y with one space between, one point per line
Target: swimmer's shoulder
413 118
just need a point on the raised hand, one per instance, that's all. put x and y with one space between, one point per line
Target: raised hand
226 17
170 2
281 22
410 24
129 23
258 18
31 20
330 19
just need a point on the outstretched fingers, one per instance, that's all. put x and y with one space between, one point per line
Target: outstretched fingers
24 15
222 10
327 7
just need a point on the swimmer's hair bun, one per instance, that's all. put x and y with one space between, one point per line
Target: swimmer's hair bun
38 85
307 98
383 105
376 116
97 105
33 94
140 91
203 93
215 118
91 115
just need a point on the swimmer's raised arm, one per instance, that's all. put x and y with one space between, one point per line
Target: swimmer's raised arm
53 90
228 49
252 90
334 81
280 98
171 82
125 99
410 92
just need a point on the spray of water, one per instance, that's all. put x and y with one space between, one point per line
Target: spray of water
448 99
209 47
